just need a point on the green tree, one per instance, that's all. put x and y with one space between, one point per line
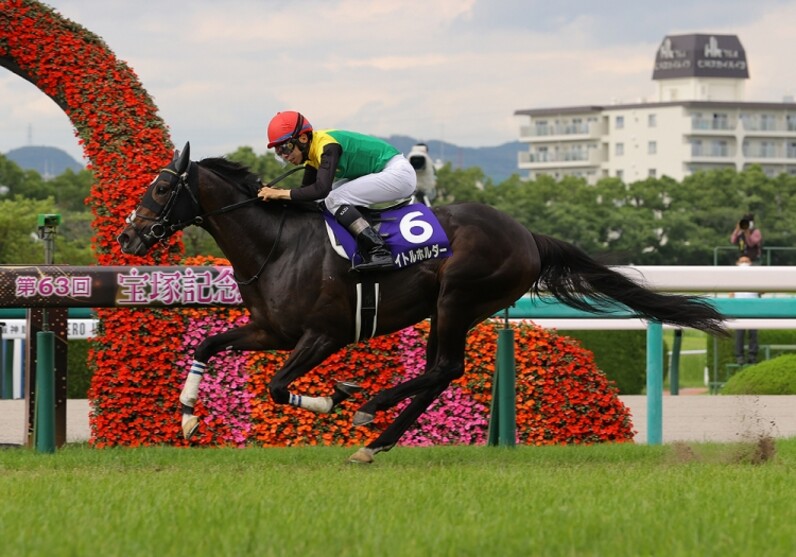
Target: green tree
469 184
19 242
71 189
267 166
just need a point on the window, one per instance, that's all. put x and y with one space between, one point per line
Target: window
652 147
768 122
619 149
652 173
620 174
652 120
620 122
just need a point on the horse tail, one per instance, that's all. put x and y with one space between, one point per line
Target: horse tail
577 280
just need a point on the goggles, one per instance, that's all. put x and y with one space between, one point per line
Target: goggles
284 149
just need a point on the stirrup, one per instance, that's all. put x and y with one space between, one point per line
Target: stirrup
375 264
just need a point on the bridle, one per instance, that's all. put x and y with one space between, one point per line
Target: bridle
164 223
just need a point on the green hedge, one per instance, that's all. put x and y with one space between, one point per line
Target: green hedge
78 377
725 347
776 376
621 355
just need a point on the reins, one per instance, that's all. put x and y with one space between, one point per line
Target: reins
199 219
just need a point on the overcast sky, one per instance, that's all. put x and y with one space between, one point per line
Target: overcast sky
454 70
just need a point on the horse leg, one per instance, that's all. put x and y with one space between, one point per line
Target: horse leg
437 382
311 350
247 337
393 395
449 365
458 309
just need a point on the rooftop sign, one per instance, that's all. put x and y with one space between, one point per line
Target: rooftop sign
700 56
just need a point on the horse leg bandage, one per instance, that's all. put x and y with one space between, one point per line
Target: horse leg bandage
190 392
319 404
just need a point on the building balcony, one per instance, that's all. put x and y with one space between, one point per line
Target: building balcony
559 160
562 132
712 153
709 126
769 129
777 155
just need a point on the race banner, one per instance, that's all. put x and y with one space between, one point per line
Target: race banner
33 286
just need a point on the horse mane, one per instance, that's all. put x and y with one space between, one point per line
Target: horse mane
232 171
240 175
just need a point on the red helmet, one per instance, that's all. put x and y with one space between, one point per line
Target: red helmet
286 125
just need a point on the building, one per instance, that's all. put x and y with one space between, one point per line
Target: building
699 121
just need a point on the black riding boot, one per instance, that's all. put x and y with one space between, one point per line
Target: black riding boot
375 254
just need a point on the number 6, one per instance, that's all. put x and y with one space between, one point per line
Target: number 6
412 221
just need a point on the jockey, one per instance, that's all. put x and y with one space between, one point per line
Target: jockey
345 169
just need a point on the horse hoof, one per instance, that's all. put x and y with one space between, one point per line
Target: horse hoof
347 388
362 456
363 418
189 426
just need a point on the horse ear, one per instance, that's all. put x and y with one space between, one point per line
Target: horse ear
184 159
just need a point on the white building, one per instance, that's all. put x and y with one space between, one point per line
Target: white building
699 121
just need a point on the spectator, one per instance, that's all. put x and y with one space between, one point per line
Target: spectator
743 356
748 238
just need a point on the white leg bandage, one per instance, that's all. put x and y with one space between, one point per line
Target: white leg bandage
190 392
319 404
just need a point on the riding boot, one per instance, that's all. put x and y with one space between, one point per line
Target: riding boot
373 250
370 245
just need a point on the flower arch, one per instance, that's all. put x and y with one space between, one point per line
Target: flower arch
126 142
136 358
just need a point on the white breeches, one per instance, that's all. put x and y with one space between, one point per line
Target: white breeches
396 181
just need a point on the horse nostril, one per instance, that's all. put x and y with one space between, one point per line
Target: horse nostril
123 240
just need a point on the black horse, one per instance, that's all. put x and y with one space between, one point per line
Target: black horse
301 293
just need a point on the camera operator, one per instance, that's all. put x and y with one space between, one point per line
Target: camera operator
426 173
748 238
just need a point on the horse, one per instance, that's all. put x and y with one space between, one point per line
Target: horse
301 293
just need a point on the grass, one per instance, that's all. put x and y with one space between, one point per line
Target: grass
700 499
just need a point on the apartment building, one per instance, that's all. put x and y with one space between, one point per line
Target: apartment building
699 121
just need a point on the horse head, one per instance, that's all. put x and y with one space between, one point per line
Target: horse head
169 204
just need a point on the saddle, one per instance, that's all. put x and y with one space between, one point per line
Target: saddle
411 231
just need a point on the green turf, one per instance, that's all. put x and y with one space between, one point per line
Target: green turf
610 500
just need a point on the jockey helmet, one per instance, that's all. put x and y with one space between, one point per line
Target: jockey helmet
285 126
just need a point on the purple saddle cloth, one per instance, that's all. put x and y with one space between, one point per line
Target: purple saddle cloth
412 233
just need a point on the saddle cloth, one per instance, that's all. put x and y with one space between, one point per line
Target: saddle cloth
412 232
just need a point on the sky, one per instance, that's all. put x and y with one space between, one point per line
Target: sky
451 70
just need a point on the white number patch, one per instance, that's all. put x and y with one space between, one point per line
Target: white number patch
414 229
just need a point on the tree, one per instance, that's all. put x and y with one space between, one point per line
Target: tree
19 242
460 185
267 166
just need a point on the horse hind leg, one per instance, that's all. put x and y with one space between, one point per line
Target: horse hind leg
390 436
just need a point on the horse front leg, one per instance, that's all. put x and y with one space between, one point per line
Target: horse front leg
247 337
311 350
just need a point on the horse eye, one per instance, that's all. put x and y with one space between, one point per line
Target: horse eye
162 189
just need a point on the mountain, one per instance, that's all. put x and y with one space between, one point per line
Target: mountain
498 163
47 161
